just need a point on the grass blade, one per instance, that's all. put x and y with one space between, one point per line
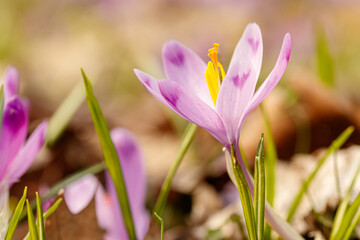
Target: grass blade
184 146
270 165
47 214
52 209
15 219
336 144
259 189
161 224
110 157
350 216
354 223
31 222
245 196
271 159
340 213
40 218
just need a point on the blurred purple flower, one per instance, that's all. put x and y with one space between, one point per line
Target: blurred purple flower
78 194
16 155
204 95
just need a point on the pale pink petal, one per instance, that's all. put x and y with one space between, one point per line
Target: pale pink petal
193 109
235 93
151 84
117 229
249 48
272 80
26 103
131 160
104 208
78 194
185 67
27 154
11 83
13 133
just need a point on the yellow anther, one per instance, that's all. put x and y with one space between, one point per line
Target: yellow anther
212 75
213 52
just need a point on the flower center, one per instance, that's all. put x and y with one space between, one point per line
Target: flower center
212 74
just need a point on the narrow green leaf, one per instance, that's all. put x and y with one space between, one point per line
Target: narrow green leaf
337 178
110 157
271 159
245 196
340 213
354 222
270 165
15 218
40 220
53 191
161 224
336 144
324 58
53 208
31 222
47 214
184 146
259 189
350 215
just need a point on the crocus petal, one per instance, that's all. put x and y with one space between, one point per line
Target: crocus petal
78 194
11 83
193 109
185 67
235 92
26 104
272 80
151 84
116 229
13 133
27 154
249 48
104 208
131 161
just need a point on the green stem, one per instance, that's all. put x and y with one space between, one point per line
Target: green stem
165 188
161 224
245 196
337 177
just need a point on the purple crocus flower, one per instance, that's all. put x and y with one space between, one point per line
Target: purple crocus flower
217 101
16 154
78 194
195 91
